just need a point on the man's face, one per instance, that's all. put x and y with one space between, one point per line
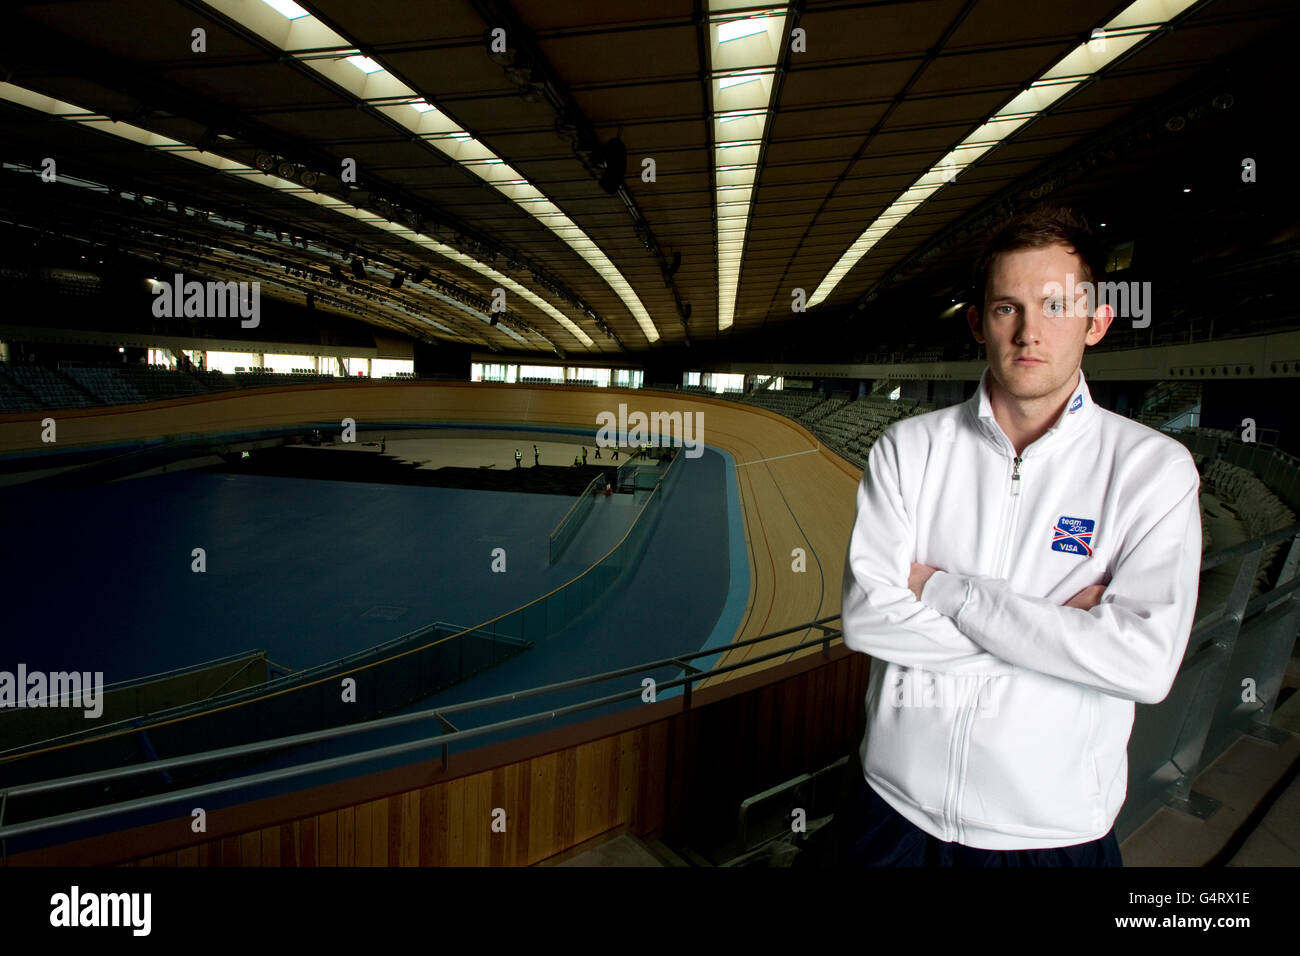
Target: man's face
1035 339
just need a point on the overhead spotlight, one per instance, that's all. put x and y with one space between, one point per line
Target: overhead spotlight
421 274
672 269
504 57
520 75
358 270
1223 101
287 170
396 281
1175 124
531 93
565 128
309 178
612 157
265 162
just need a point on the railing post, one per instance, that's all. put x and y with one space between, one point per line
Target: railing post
1282 645
1200 712
448 727
691 671
1290 568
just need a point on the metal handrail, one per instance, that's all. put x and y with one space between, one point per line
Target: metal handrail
687 680
81 816
315 736
1245 547
180 671
577 501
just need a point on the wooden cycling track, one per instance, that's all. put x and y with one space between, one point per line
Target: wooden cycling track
794 492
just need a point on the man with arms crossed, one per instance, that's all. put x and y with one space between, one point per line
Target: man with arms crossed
1022 568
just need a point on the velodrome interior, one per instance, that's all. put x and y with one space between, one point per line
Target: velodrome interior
462 255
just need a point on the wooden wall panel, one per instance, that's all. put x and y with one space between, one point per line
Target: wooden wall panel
679 776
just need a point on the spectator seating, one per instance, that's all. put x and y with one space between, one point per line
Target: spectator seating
1259 510
858 424
106 384
157 384
792 404
13 397
50 389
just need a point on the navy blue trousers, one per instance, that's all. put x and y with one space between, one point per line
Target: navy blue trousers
880 836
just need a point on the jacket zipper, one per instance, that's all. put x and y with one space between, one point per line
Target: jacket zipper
1011 523
955 828
959 832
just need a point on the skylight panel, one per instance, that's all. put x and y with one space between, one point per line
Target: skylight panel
739 29
1141 19
287 9
364 64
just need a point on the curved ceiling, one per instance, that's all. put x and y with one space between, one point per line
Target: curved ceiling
764 148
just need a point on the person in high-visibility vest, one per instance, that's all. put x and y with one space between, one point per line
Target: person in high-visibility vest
576 461
518 457
537 456
584 454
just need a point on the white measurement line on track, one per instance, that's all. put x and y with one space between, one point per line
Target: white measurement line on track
793 454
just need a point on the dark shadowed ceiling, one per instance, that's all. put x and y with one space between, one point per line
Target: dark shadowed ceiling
862 101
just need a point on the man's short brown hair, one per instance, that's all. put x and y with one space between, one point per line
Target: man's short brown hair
1042 225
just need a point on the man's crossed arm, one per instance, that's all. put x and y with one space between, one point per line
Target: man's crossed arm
1085 600
1125 638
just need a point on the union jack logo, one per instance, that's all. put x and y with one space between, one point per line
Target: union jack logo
1073 535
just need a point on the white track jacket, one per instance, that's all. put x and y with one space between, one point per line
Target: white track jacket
996 717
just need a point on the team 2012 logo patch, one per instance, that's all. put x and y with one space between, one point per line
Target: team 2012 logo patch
1073 535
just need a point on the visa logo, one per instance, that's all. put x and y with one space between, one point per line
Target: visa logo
1073 535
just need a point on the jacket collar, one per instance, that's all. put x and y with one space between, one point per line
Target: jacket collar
1078 411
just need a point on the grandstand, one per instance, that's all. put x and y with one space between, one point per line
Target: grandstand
350 567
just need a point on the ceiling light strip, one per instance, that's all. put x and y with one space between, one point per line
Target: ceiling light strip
365 78
744 52
54 107
1136 22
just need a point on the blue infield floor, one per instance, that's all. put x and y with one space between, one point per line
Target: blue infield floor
297 567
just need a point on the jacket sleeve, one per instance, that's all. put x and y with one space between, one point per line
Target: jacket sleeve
879 613
1132 643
